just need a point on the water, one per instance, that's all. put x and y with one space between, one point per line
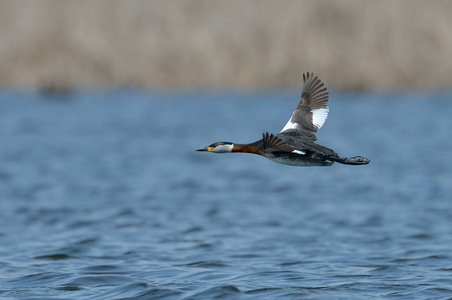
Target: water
102 196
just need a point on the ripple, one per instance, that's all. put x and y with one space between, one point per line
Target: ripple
56 256
289 264
103 269
99 280
38 279
226 291
156 293
204 264
386 269
263 290
192 229
421 236
136 290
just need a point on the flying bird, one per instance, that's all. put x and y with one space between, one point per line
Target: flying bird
295 144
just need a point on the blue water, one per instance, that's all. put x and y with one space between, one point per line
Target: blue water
102 196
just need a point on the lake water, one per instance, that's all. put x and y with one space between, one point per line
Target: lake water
102 196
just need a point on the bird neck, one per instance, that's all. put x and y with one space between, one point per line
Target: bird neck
255 148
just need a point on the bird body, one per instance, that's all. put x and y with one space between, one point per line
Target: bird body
295 144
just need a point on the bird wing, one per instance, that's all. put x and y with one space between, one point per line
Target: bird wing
312 111
273 143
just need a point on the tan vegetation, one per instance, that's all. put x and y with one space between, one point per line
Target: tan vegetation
161 44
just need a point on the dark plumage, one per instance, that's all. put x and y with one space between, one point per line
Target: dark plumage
295 144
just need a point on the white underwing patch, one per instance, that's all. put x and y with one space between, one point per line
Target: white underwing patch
290 125
319 116
299 152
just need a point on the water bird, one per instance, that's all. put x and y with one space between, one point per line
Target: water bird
295 144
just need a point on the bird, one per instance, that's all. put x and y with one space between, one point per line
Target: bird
295 144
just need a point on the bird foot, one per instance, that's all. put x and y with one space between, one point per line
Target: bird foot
357 160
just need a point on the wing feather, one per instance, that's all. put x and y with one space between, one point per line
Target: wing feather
273 143
312 110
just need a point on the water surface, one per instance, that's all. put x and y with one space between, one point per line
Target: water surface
102 196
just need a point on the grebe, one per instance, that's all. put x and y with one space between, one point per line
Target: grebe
295 144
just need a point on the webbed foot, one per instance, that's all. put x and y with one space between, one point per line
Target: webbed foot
355 160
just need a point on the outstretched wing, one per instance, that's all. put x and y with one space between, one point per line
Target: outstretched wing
312 110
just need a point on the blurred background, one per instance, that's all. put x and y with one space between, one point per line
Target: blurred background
102 104
202 44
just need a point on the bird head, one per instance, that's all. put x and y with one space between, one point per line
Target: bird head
218 147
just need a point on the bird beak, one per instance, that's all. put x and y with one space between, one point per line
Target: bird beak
205 149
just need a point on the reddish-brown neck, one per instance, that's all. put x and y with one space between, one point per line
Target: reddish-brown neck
246 148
